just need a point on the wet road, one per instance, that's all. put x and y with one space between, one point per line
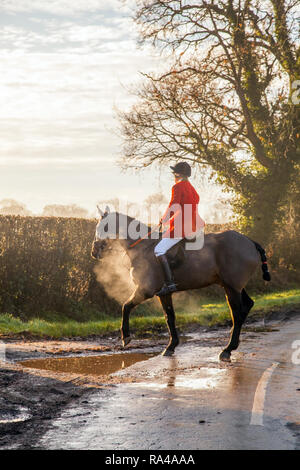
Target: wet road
191 401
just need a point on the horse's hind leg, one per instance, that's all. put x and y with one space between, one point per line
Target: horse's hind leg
247 304
234 299
167 304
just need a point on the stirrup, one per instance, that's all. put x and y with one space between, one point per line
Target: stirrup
167 289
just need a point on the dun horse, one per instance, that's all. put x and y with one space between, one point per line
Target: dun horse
228 259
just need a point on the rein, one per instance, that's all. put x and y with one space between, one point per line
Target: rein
145 237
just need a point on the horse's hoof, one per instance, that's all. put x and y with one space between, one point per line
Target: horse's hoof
168 352
126 341
225 356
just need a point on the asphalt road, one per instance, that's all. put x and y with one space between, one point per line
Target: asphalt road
191 401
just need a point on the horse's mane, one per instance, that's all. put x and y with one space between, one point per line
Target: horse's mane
131 219
143 228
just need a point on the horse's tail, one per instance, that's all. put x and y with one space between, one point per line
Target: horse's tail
264 264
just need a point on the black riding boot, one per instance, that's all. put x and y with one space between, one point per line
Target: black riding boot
169 285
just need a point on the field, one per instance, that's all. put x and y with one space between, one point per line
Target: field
146 320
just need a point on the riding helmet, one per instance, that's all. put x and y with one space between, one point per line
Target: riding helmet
182 168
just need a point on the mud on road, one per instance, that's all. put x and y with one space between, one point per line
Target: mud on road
188 401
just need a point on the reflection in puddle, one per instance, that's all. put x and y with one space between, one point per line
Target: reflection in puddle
196 383
92 365
14 415
204 378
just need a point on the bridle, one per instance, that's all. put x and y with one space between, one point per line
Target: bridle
132 245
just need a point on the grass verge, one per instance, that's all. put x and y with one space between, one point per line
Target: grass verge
198 312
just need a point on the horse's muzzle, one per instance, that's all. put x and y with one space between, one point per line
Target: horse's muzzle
96 249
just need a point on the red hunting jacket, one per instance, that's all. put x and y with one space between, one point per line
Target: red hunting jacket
182 212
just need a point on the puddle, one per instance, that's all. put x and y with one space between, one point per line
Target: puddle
210 378
204 378
260 329
92 365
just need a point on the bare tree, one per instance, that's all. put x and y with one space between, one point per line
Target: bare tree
227 102
60 210
13 207
156 199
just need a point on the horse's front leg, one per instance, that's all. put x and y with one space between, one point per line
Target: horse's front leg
167 304
135 299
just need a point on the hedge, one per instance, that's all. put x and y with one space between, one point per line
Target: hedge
46 266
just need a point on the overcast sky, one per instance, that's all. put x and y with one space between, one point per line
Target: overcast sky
65 65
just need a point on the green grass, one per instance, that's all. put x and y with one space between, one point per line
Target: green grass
56 329
147 319
218 312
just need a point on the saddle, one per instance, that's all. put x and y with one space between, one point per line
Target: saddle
176 254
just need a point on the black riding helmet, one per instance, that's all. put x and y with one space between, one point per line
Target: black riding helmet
182 168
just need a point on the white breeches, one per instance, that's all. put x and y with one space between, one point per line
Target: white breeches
166 243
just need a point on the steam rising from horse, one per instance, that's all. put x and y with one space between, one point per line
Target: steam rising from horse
228 259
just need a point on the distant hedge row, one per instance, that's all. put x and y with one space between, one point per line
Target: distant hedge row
45 266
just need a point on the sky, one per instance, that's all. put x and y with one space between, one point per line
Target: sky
65 66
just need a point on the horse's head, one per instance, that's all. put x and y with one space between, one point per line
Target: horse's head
112 226
102 234
97 248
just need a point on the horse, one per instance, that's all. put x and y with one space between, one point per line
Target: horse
227 259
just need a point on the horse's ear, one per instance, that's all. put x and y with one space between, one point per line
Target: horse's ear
100 211
107 210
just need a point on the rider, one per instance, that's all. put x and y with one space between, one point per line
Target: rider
182 219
